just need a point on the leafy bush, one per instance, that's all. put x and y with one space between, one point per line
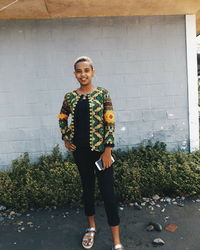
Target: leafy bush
152 170
54 179
50 181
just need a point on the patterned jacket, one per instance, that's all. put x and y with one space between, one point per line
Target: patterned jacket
102 122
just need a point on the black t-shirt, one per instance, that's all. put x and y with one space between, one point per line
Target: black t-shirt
82 123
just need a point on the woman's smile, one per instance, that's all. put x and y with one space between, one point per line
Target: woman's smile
83 79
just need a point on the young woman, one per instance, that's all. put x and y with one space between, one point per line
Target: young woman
91 137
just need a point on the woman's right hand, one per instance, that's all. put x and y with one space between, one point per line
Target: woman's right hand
69 145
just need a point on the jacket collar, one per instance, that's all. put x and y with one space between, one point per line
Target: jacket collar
89 94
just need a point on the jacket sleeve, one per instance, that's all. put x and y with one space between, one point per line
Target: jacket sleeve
109 120
63 119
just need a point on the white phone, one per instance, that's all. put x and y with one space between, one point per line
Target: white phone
99 164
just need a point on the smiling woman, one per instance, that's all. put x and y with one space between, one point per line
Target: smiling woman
91 137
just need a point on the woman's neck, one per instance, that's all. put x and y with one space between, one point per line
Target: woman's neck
86 89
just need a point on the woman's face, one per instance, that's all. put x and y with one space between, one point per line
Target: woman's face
84 73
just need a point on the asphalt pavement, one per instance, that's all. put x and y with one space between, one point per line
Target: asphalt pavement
62 228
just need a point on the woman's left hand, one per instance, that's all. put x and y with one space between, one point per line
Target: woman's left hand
106 157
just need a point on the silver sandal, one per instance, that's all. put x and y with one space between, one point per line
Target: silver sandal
118 246
89 242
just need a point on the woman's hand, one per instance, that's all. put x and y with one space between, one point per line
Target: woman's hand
69 145
106 157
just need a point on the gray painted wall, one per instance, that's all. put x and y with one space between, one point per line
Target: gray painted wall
140 60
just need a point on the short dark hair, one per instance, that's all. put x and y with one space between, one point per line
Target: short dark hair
83 59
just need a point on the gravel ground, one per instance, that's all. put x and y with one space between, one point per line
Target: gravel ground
62 228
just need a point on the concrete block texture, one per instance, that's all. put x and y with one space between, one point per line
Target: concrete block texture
136 58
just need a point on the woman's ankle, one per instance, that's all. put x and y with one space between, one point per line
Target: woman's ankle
115 235
92 225
91 222
116 242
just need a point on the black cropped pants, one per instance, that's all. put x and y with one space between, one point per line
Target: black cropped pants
85 161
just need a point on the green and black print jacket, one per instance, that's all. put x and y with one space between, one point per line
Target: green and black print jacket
102 122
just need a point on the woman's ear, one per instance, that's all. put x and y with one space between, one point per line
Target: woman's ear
93 72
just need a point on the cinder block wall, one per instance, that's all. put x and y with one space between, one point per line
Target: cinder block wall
140 60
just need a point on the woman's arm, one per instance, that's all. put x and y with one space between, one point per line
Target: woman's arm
109 129
63 118
63 124
109 120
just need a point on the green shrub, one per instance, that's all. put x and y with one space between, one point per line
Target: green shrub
152 170
6 188
50 181
54 180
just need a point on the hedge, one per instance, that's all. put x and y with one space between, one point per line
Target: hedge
54 180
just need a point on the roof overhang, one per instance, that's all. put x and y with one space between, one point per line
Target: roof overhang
32 9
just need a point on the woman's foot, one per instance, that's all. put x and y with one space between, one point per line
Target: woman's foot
88 238
116 238
118 247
